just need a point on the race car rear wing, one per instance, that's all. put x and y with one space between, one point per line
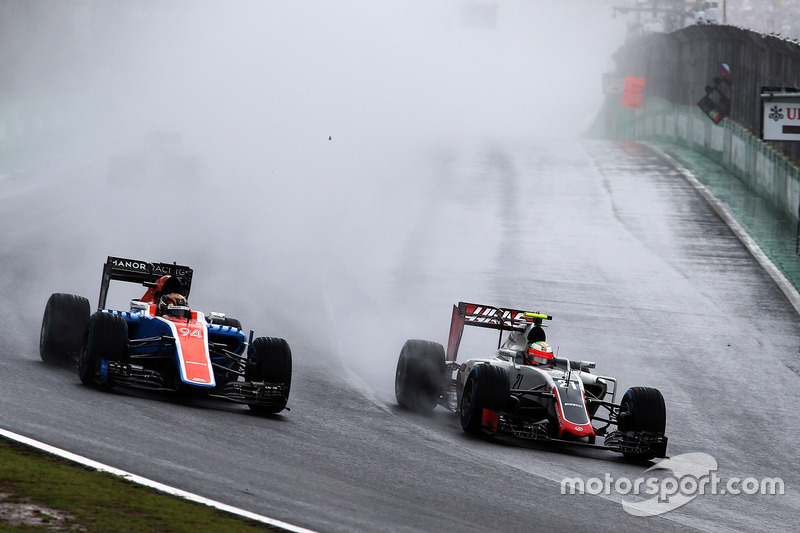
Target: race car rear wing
136 271
484 316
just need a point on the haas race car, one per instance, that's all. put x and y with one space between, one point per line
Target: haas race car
524 390
162 344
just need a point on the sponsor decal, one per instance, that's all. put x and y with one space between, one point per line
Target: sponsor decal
128 264
493 315
172 270
144 266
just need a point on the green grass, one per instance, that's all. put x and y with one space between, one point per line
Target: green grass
99 502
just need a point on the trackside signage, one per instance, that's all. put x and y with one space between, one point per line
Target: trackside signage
633 92
692 475
780 115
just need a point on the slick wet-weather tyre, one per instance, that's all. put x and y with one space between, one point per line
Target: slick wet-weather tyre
487 387
420 375
106 340
270 361
642 409
66 317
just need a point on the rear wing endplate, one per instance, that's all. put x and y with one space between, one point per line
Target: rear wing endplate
136 271
485 316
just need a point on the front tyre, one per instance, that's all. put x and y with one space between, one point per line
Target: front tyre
106 341
270 361
487 387
420 375
642 410
66 317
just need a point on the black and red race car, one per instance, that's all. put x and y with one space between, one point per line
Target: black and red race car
524 390
163 344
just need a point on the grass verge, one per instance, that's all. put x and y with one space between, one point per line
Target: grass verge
40 492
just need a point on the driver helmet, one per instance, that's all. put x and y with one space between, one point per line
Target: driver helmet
174 305
539 353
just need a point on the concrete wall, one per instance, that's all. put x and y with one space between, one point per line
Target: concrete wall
768 173
677 67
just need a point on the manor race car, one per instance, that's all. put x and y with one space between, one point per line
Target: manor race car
524 390
163 344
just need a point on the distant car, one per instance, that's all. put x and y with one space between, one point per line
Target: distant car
524 390
162 344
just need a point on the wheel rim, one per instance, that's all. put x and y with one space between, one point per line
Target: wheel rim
466 399
400 376
82 367
44 332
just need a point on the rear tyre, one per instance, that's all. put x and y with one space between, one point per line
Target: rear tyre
106 340
642 409
420 375
487 387
270 361
66 317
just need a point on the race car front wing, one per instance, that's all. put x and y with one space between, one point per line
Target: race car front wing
249 392
628 442
254 392
636 442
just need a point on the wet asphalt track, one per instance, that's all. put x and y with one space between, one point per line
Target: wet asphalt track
639 273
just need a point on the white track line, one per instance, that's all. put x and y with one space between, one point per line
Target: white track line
152 484
785 285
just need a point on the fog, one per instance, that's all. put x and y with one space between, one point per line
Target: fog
317 130
263 77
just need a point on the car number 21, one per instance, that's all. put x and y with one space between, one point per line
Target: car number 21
517 382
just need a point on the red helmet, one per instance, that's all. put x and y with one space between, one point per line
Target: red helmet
174 305
539 353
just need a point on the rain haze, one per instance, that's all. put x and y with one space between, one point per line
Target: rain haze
339 174
316 130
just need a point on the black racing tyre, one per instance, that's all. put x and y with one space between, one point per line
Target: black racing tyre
420 375
106 339
225 321
66 317
270 361
642 409
487 387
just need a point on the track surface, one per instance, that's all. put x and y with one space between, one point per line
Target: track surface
639 273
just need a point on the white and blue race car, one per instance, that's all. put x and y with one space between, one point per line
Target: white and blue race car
162 344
